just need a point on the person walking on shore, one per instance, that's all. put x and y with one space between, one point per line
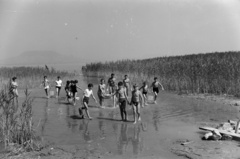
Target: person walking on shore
46 85
135 102
155 85
126 83
101 92
112 87
58 86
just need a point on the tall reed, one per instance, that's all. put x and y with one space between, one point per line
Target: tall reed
16 121
217 73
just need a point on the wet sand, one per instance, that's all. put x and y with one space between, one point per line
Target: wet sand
160 135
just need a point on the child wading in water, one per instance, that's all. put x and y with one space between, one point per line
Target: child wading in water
155 86
122 100
135 102
58 86
85 100
126 82
112 87
101 92
144 92
74 91
46 85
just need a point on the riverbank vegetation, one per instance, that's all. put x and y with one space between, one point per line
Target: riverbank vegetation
30 77
17 132
216 73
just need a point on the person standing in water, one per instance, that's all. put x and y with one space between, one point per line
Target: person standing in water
112 87
126 83
144 91
13 87
101 92
74 91
85 100
155 85
122 100
58 86
46 85
135 102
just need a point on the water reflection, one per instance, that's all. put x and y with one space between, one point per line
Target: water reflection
101 126
130 134
84 127
123 139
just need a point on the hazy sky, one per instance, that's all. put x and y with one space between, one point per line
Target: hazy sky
101 30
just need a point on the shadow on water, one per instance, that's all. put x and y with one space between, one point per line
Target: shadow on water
75 117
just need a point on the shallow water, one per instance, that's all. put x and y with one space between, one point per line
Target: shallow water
174 117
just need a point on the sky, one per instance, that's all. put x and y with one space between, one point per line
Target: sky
103 30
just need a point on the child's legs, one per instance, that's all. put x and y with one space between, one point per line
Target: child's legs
85 106
134 112
100 100
138 110
121 110
59 89
124 109
145 98
46 91
74 97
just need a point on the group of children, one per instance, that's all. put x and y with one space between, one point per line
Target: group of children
119 92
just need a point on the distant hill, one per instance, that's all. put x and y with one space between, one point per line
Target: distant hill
40 58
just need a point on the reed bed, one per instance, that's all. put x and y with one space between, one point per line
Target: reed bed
16 126
215 73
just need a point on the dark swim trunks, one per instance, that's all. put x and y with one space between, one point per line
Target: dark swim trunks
156 90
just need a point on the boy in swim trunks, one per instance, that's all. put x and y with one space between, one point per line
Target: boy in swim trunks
85 100
126 83
155 85
135 102
58 86
46 85
122 100
144 91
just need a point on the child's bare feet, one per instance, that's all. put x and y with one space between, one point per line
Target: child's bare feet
134 122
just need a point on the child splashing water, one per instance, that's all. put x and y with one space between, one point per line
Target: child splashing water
135 102
85 100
